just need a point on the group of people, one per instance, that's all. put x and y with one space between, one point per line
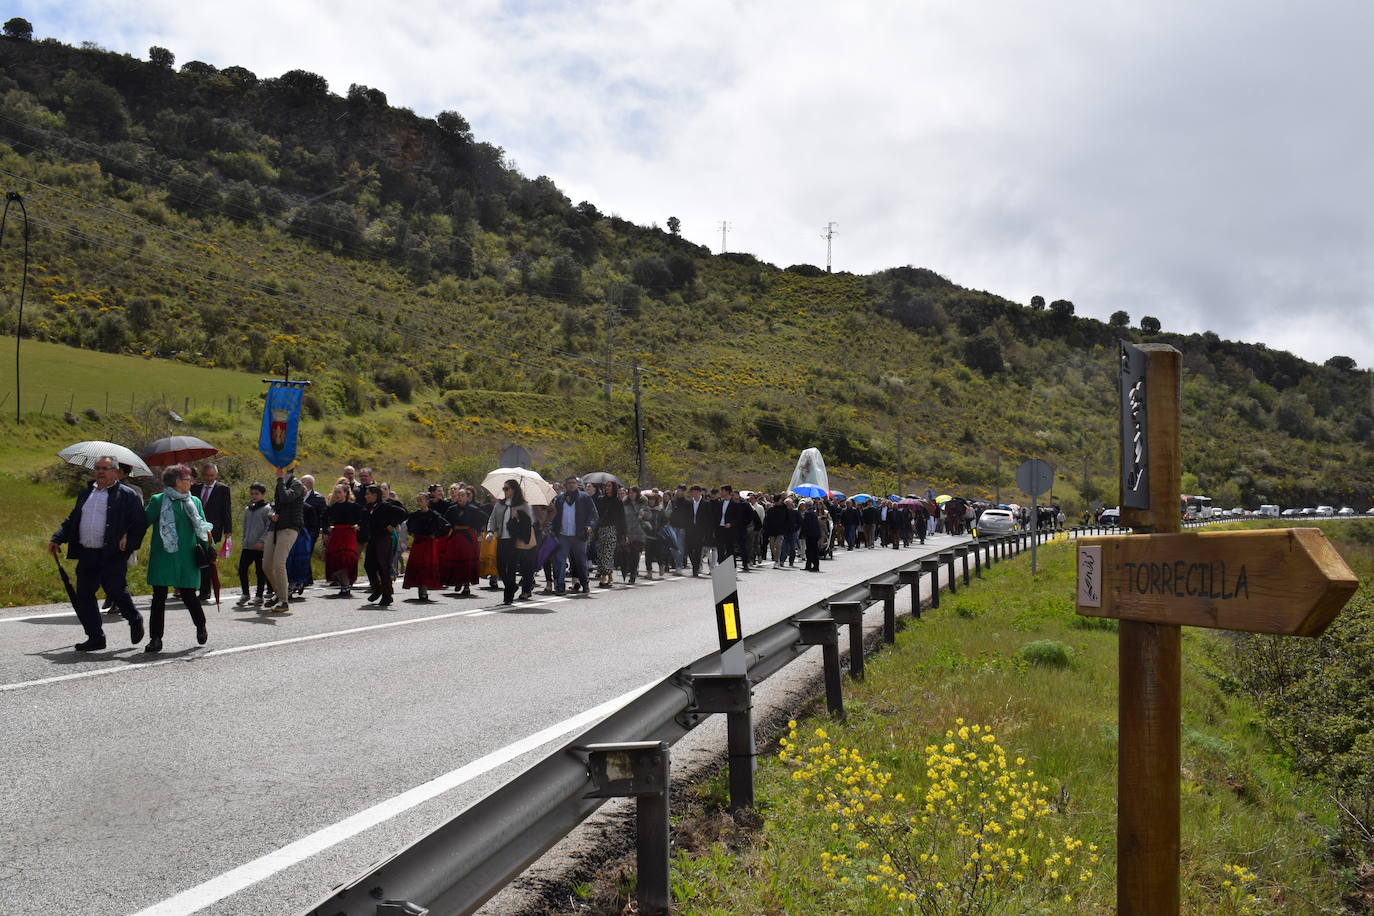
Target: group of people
449 537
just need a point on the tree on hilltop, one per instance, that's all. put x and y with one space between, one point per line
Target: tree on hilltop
674 225
19 29
1119 320
1062 308
161 58
1340 362
1149 324
1038 303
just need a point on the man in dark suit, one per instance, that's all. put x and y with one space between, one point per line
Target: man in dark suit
214 498
699 526
106 525
734 518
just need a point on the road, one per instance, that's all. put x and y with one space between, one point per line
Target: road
249 776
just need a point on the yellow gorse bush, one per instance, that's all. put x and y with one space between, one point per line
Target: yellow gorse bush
978 838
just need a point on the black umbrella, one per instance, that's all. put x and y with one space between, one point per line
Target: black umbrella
66 581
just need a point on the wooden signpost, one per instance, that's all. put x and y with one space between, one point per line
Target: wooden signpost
1290 582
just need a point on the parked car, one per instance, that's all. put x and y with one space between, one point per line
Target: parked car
1345 510
1289 513
1308 511
1269 511
1325 511
993 522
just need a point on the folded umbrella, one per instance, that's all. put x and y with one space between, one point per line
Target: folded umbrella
177 450
86 454
66 581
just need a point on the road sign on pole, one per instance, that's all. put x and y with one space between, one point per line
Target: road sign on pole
1034 477
1158 580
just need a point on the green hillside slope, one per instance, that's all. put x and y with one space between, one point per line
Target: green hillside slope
219 219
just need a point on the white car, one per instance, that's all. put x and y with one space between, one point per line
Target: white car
1345 510
1289 513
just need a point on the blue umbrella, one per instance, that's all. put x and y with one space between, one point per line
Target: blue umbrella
809 489
862 497
893 497
837 494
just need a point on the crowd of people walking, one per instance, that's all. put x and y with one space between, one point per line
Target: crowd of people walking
453 537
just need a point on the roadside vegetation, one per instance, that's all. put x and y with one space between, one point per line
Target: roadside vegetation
1269 825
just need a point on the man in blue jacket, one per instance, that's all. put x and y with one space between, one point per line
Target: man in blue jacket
106 526
574 517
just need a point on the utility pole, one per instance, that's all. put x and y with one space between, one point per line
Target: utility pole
612 295
829 236
639 428
724 228
899 460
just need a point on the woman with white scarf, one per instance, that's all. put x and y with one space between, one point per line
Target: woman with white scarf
176 521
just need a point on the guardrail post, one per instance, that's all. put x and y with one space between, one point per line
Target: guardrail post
824 632
962 553
851 615
887 591
912 577
947 557
978 559
639 769
733 695
932 566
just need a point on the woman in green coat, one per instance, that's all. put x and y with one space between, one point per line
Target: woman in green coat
176 522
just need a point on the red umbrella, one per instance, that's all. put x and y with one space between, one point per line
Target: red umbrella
177 450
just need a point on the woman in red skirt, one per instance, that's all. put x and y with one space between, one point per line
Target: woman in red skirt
426 528
342 517
468 523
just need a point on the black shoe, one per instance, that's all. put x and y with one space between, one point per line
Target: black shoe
373 596
94 644
136 630
385 602
154 646
202 636
561 591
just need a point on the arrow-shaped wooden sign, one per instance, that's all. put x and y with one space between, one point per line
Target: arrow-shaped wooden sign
1287 581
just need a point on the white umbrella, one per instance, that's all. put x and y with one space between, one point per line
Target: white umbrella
86 454
535 488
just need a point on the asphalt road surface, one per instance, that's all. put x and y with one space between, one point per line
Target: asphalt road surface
250 776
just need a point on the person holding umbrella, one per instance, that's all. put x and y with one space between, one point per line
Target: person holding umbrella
179 525
216 499
103 529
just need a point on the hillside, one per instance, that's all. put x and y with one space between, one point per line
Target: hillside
219 219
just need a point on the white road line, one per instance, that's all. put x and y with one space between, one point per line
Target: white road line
71 614
231 882
143 666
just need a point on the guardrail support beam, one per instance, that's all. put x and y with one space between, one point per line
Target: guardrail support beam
733 695
824 632
932 566
639 769
851 615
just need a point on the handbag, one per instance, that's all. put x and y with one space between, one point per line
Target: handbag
204 555
226 546
486 558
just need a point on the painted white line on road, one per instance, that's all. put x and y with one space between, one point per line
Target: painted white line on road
143 666
71 614
231 882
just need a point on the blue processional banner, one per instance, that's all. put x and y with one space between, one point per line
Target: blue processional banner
281 414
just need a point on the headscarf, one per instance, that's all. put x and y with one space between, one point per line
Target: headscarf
166 522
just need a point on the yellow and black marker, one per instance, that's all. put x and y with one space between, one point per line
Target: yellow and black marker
729 626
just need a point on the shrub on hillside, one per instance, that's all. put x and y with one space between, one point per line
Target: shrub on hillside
209 418
1048 653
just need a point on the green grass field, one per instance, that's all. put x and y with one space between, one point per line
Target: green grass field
1241 805
72 379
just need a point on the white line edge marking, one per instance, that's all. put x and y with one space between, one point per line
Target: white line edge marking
143 666
231 882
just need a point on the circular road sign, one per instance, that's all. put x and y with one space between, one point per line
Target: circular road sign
1034 477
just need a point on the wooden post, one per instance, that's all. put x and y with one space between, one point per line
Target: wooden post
1147 833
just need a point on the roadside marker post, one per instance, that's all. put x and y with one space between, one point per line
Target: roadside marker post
1290 582
739 717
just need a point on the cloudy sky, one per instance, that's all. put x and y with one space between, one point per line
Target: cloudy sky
1205 163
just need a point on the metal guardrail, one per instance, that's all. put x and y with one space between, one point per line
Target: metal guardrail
463 863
